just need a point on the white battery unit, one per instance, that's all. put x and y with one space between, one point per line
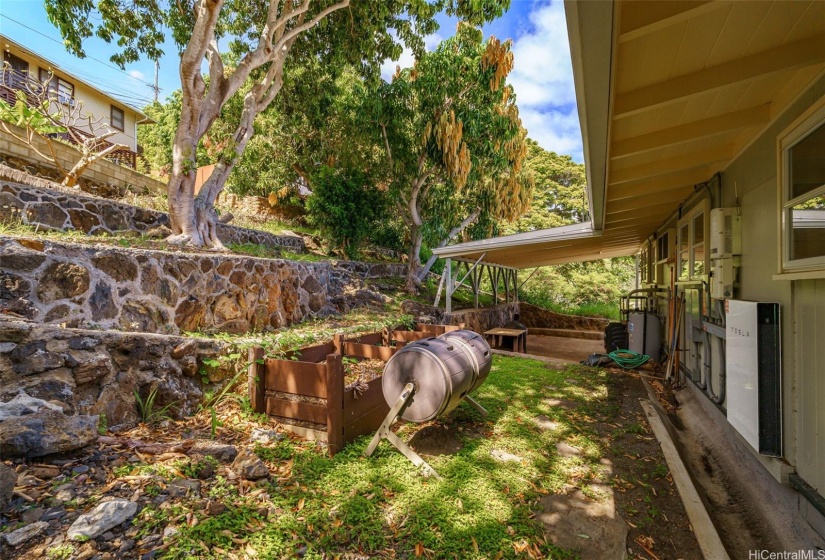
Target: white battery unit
725 233
754 373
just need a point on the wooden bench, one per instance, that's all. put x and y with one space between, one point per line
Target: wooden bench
518 337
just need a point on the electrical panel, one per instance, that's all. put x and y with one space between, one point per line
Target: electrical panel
722 278
725 233
753 377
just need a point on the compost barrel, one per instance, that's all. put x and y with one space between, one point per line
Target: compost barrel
443 370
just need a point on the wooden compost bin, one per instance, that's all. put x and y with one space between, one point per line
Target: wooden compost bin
308 387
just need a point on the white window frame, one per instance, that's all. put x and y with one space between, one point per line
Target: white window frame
688 219
809 122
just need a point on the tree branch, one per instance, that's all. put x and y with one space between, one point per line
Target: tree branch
294 32
450 236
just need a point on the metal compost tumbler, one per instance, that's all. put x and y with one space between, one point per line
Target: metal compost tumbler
428 379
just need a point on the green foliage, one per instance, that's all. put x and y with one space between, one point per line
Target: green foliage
559 196
149 412
157 140
34 119
586 288
344 206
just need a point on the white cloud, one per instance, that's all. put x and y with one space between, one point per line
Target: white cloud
543 79
407 58
137 74
554 130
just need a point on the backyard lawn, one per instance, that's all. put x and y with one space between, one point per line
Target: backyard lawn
485 506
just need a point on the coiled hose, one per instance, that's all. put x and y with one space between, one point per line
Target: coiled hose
628 359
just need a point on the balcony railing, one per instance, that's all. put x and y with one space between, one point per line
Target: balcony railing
12 81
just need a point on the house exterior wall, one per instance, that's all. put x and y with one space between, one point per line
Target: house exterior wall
94 103
752 181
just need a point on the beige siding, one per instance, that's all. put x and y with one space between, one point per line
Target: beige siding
94 102
809 310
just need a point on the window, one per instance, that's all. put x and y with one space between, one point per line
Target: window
802 161
693 259
116 119
59 88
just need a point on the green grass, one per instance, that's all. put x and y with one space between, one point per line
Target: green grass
481 509
586 309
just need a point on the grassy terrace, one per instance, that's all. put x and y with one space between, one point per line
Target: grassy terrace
484 508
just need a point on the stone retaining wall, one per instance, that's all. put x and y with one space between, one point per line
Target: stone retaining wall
64 209
89 373
478 320
103 177
538 317
169 292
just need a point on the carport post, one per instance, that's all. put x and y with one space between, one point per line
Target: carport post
449 281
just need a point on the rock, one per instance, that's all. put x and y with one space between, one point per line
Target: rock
93 369
544 423
101 304
38 362
17 258
259 435
104 517
566 450
8 480
221 452
117 265
83 220
6 347
45 432
504 457
25 534
186 348
249 466
45 472
183 487
46 215
594 529
23 404
83 343
158 232
64 495
215 508
62 280
80 469
32 515
190 314
53 514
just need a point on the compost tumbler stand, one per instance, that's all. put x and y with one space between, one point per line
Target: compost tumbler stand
384 431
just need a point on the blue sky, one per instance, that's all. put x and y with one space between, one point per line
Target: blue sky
542 75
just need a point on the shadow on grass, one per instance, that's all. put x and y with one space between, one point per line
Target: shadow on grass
483 507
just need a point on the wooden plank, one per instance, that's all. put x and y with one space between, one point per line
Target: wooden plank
300 378
256 379
335 403
366 401
709 541
296 410
316 353
370 338
357 350
366 424
411 336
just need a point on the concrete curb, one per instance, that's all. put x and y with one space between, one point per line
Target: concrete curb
703 528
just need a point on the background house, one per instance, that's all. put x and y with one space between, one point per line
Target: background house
24 69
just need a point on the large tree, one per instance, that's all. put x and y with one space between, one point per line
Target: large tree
559 196
265 35
454 142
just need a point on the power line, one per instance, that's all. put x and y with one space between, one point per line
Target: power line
61 43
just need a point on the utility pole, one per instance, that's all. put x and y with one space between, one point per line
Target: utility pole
156 88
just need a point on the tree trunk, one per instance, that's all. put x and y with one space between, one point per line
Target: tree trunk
413 282
450 236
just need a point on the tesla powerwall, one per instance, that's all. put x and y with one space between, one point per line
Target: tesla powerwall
754 374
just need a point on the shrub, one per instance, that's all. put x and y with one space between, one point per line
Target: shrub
344 206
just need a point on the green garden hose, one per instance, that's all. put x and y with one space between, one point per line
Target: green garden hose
628 359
